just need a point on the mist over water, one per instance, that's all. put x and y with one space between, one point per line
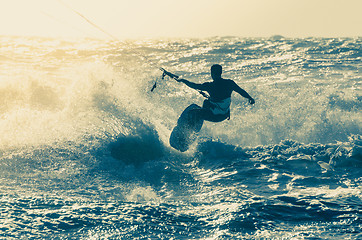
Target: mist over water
84 147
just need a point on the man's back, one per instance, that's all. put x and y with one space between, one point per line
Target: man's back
220 89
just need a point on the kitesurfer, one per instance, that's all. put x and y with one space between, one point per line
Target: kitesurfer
216 107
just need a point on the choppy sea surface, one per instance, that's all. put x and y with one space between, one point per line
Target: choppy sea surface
84 150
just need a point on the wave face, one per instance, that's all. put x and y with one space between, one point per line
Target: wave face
84 147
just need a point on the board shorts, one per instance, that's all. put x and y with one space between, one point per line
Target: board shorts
206 113
216 114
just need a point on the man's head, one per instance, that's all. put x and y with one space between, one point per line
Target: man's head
216 71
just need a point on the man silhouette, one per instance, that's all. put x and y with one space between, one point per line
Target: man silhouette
217 107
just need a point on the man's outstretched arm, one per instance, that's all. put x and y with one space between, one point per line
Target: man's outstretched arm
243 93
191 84
188 83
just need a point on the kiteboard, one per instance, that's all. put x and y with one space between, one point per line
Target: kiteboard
185 133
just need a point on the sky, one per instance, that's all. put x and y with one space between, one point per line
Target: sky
181 18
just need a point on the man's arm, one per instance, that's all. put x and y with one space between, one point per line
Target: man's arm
196 86
243 93
188 83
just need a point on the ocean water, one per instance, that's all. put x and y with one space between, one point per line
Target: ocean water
84 150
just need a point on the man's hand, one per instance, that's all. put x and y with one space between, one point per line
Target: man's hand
171 75
251 101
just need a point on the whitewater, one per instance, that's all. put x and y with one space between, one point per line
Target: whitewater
84 151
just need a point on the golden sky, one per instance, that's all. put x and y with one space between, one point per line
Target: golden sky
182 18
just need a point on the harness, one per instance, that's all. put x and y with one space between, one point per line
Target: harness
220 107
